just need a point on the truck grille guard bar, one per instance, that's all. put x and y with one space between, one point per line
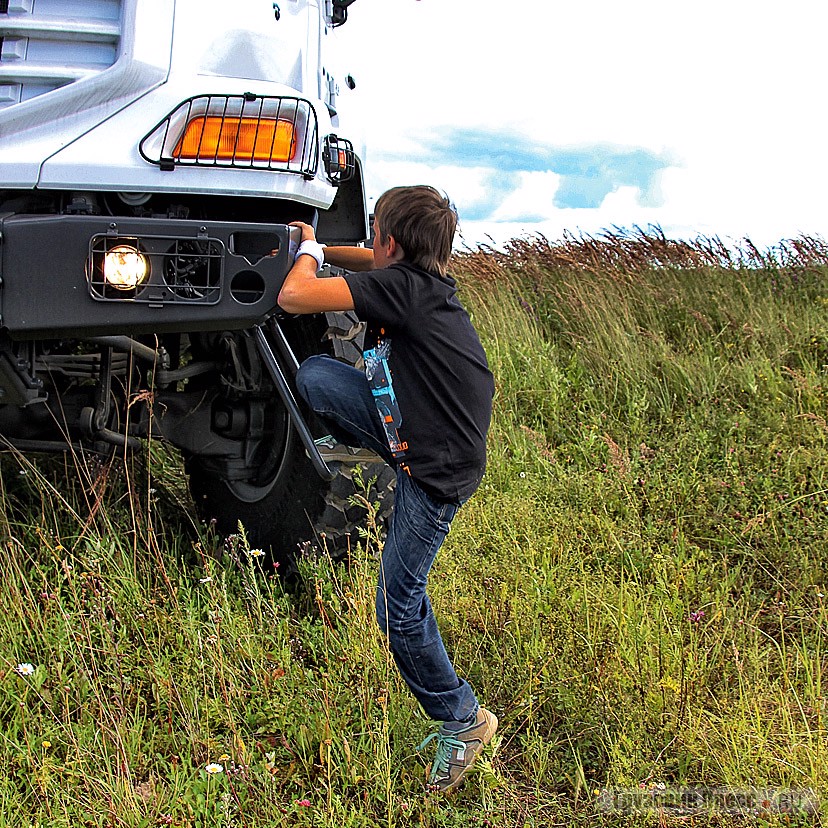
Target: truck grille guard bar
281 383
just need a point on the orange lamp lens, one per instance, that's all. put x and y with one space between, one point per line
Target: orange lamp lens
213 138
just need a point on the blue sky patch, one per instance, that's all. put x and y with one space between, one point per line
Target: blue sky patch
588 172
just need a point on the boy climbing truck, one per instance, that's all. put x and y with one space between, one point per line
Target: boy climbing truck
152 155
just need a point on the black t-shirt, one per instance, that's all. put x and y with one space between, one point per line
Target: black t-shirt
429 376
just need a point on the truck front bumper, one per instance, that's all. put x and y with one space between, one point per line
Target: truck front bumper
56 279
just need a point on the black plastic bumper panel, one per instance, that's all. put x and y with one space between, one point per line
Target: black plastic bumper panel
201 275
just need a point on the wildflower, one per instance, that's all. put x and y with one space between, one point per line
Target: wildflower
214 767
24 668
527 307
305 803
522 475
696 616
46 744
224 757
205 580
257 553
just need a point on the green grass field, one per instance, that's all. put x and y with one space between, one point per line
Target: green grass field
638 589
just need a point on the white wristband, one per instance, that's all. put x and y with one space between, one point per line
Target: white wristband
310 247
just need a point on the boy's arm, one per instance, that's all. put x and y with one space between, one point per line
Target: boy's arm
303 292
351 258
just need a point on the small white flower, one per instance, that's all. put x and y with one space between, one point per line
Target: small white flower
214 767
205 580
24 668
522 474
257 553
23 472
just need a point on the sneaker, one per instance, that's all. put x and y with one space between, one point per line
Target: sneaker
333 452
458 745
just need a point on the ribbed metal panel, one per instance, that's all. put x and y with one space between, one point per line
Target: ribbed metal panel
46 44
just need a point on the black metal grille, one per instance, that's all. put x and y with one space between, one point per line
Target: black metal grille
240 131
4 6
180 270
340 161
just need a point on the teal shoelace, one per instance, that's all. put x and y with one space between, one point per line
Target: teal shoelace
445 745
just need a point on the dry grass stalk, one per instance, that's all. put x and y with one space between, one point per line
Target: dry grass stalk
624 252
619 458
645 452
820 421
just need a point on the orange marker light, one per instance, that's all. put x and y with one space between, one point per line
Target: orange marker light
213 138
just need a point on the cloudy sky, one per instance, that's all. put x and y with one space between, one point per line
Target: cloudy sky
535 116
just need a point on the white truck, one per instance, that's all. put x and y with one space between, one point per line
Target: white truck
152 153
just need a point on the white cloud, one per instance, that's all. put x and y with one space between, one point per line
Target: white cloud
534 196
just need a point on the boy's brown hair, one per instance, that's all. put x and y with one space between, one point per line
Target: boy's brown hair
422 221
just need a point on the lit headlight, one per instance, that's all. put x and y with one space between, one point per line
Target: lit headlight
125 267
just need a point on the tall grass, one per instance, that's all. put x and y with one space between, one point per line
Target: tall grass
638 589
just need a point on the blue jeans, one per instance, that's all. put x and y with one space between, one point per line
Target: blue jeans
340 395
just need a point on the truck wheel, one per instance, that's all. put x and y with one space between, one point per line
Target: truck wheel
289 508
296 511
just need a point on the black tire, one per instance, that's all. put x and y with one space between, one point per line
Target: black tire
290 509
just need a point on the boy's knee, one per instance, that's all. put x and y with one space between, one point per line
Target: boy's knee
310 377
395 619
